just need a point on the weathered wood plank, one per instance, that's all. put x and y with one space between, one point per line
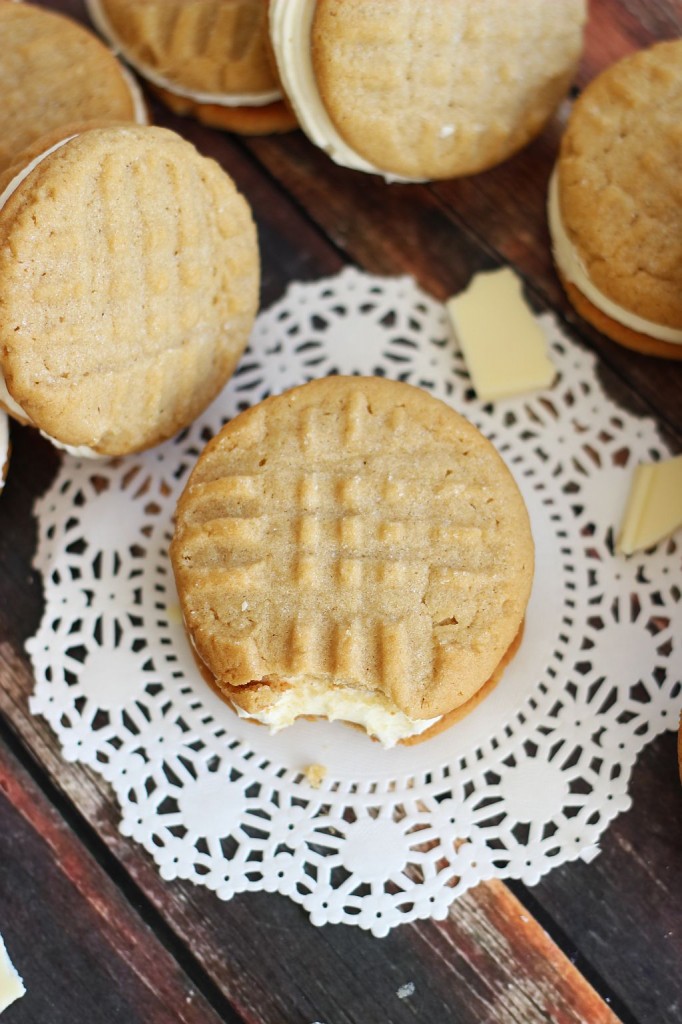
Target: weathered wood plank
84 954
489 961
397 229
505 207
622 911
445 232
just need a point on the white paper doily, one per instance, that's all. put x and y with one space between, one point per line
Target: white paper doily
528 780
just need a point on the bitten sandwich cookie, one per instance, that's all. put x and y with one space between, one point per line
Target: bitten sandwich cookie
129 280
353 549
615 202
53 73
206 58
420 89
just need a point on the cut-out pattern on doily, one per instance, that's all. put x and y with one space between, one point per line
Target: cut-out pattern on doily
528 780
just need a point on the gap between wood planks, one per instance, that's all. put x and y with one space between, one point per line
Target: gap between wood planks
135 898
569 949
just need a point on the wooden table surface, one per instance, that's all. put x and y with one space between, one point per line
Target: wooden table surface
97 934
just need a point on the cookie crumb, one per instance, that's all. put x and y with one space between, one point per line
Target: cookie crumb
405 990
315 774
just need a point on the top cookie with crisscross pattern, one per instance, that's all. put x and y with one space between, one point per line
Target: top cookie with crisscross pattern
47 55
213 46
358 531
128 286
441 88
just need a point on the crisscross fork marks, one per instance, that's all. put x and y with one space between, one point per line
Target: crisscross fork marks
382 532
149 293
211 46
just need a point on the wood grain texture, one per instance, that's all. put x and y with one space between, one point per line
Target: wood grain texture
83 952
447 231
623 910
443 234
490 961
257 958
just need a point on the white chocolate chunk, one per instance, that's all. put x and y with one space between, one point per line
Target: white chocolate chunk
654 505
11 985
502 343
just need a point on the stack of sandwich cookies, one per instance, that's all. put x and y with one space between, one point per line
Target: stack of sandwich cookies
422 89
615 202
205 58
129 282
53 73
353 549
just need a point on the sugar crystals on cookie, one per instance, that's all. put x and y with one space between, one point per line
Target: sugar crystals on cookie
205 58
53 73
129 276
421 89
353 549
615 202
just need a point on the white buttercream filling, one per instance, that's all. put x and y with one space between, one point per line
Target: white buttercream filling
373 711
220 99
7 402
25 171
139 105
6 399
573 269
290 27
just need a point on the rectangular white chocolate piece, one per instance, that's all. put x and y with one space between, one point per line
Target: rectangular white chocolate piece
502 343
11 985
654 505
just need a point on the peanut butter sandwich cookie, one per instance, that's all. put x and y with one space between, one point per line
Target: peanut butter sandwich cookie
421 89
353 549
206 58
53 73
129 280
615 202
